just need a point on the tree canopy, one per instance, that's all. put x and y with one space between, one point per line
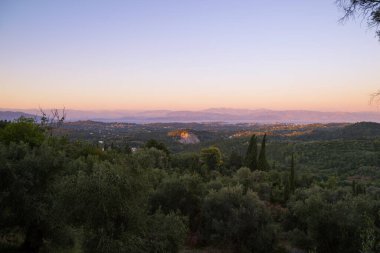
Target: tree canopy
368 10
58 195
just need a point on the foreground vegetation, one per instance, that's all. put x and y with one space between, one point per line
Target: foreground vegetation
58 195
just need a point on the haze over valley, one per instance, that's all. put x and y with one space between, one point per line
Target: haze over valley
209 115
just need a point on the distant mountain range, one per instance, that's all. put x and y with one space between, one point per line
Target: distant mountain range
10 115
209 115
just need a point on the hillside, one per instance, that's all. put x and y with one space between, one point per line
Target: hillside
359 130
11 115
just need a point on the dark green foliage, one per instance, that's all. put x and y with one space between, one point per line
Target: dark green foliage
157 145
300 239
58 195
292 179
358 130
165 234
368 235
111 204
358 188
327 156
3 123
262 162
152 158
286 190
28 195
235 161
184 194
211 157
251 154
334 221
116 197
245 178
127 149
47 188
186 161
23 130
238 221
252 180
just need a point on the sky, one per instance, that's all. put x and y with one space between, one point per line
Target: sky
185 55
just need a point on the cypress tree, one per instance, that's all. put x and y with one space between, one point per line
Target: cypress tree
251 155
292 186
286 190
262 162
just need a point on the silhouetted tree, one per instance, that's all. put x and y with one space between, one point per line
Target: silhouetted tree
292 186
366 9
3 123
262 162
286 190
251 155
53 120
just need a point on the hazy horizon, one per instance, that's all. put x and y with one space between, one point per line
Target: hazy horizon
193 55
372 109
227 115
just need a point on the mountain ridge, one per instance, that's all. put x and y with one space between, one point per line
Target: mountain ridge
228 115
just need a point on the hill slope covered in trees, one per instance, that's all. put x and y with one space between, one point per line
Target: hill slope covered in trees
62 195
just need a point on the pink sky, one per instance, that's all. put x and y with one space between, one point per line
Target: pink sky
141 55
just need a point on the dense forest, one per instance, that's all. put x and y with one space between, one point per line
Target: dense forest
59 194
